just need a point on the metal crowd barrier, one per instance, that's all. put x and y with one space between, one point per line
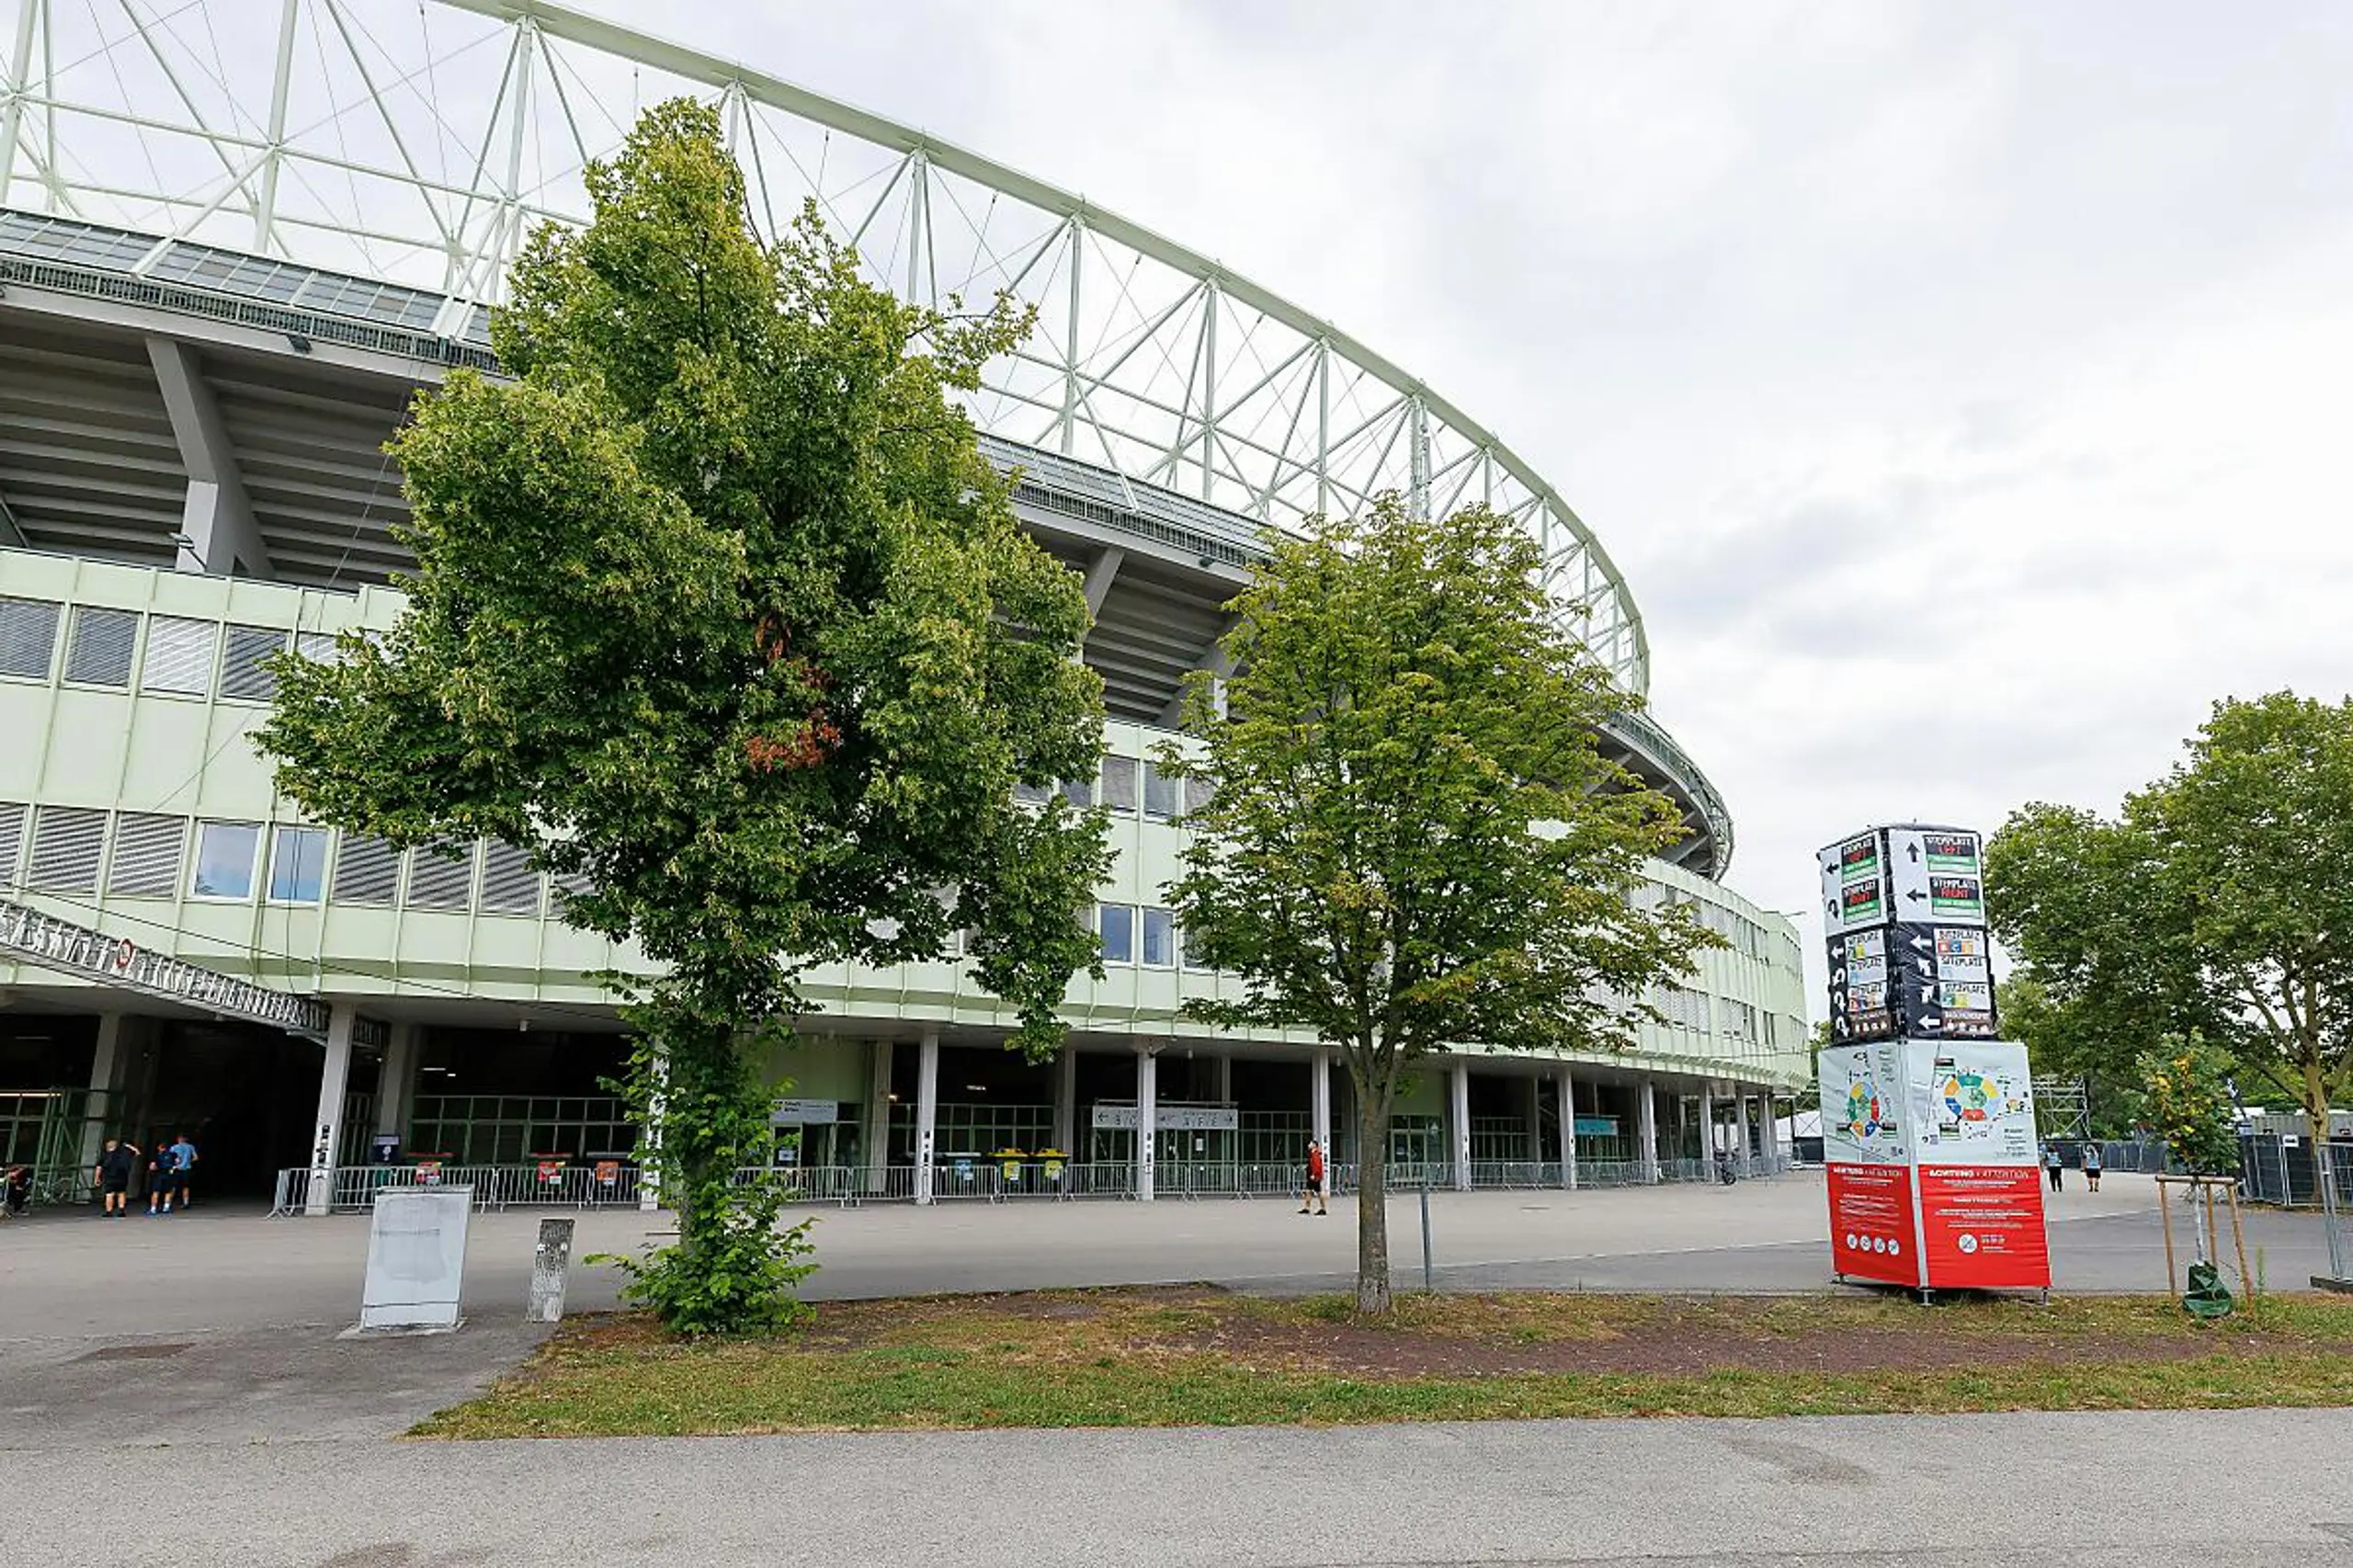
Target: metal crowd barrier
354 1188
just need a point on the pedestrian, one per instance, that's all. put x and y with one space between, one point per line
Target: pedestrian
2051 1163
159 1179
2091 1166
115 1161
19 1192
183 1168
1314 1193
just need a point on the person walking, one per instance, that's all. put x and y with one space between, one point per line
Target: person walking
115 1161
2051 1164
1313 1195
183 1154
159 1179
2091 1166
19 1194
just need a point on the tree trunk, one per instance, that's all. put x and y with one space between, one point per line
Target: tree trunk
2316 1115
1372 1204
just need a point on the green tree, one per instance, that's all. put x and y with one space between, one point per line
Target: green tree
718 613
2189 1104
1411 840
2219 903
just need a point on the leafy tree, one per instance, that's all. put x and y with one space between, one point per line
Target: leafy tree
2219 903
719 611
2058 1047
2189 1104
1411 840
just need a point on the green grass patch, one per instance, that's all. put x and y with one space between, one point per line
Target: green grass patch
1139 1359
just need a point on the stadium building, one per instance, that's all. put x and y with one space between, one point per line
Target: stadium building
234 243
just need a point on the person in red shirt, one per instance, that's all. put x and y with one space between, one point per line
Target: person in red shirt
1315 1194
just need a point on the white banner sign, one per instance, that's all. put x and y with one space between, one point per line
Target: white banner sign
802 1113
1170 1119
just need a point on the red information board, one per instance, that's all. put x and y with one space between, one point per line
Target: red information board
1983 1227
1870 1224
1932 1165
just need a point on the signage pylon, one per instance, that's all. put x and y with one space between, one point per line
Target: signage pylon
1928 1130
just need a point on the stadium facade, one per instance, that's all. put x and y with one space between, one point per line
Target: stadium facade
224 272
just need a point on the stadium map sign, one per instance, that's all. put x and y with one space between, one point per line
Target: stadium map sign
1927 1121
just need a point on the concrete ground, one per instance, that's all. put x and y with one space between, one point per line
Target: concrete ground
2226 1489
220 1325
176 1388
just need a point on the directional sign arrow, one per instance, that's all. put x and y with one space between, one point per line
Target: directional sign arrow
1933 1021
1927 970
1922 944
1830 907
1838 975
1915 895
1913 851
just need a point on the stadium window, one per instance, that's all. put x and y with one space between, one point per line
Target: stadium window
179 656
28 638
298 863
1120 784
1159 938
1079 792
1031 794
98 649
224 858
1198 792
1115 928
1160 792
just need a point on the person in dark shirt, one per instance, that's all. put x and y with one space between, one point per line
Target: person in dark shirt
162 1178
19 1191
115 1161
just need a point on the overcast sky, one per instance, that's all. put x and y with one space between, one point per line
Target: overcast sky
1961 388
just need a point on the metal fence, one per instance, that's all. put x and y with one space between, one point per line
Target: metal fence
2272 1172
533 1185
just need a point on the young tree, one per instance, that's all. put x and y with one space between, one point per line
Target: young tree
1411 840
719 611
2219 903
2187 1086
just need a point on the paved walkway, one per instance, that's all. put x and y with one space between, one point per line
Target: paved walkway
2226 1489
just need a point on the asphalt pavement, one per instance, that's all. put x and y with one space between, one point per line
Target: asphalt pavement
2221 1489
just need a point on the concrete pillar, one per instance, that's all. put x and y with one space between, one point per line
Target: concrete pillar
1568 1130
105 1108
1067 1101
1769 1136
1749 1136
1459 1121
877 1118
335 1073
1531 1105
1222 1074
1319 1104
926 1111
1147 1117
1707 1132
396 1082
1646 1120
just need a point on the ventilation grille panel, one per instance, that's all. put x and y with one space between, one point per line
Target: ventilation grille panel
147 851
179 656
28 638
366 871
98 651
66 842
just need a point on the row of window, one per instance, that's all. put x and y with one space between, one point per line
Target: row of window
73 850
105 648
1166 796
1150 940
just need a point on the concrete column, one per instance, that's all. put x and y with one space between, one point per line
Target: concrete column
396 1082
1749 1138
1768 1135
1147 1117
1532 1107
335 1073
1319 1104
1459 1116
877 1118
105 1108
926 1111
1646 1120
1568 1130
1067 1101
1707 1131
1221 1088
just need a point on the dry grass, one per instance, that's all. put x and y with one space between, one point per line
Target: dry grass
1202 1356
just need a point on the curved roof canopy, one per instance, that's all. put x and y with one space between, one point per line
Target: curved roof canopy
418 143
